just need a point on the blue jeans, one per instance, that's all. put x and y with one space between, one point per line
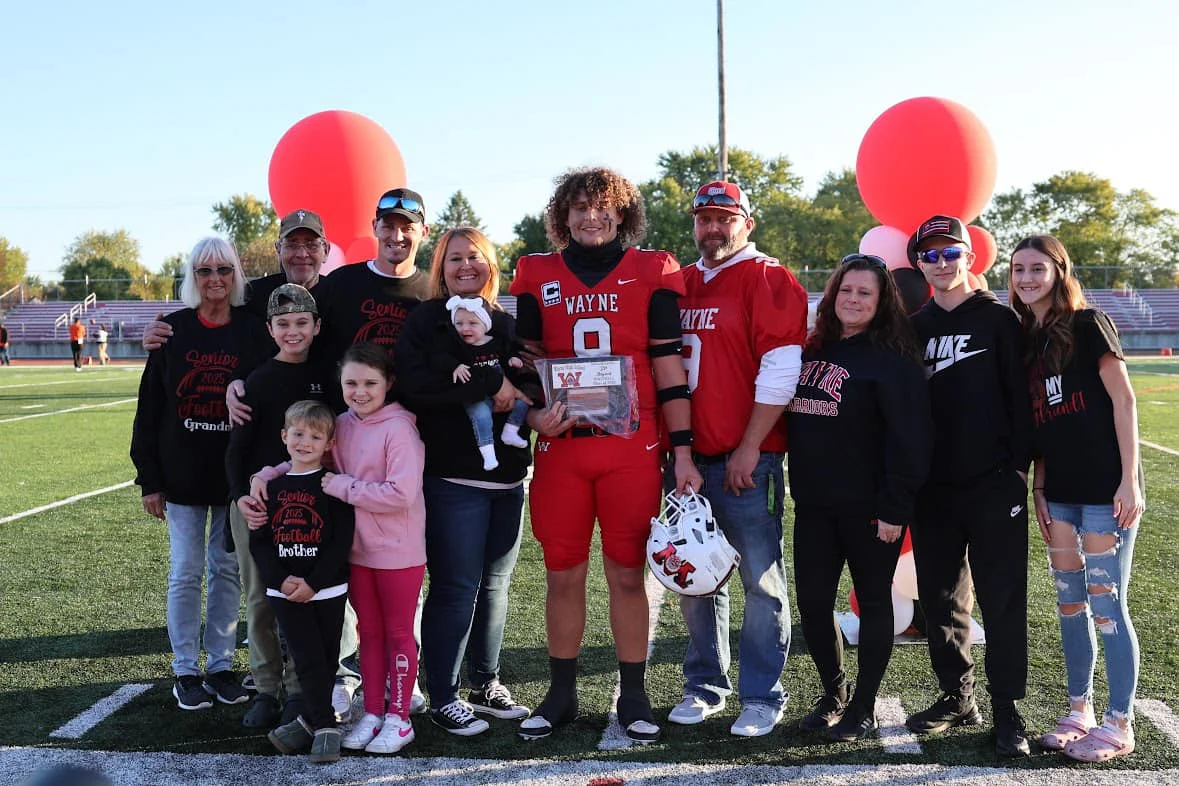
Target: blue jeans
753 524
187 540
472 541
1078 633
480 413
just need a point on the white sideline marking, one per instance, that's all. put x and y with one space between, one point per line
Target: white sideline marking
33 406
102 709
1161 716
66 501
614 738
1158 447
894 736
61 382
71 409
154 769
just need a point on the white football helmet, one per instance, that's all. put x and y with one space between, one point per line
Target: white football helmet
686 550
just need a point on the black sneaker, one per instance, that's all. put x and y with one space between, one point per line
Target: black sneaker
494 699
952 709
825 713
190 694
1010 733
226 688
458 718
635 717
856 724
264 712
558 708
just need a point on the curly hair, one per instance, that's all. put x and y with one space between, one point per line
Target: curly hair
1055 334
889 328
598 183
485 247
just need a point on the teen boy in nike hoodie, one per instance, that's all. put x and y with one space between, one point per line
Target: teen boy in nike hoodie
974 505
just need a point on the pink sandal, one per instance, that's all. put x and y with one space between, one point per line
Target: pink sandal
1071 727
1104 742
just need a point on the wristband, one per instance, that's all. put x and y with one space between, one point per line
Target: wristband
664 395
665 349
681 438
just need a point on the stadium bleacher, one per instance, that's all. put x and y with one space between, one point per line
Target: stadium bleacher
125 319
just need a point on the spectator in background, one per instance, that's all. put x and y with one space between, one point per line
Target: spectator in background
77 338
4 346
101 339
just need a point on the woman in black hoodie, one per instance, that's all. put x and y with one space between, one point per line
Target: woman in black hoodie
860 441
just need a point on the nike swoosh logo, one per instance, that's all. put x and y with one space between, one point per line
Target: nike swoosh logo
623 281
653 446
945 363
404 732
1015 511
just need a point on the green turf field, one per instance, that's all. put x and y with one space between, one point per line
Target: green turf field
82 612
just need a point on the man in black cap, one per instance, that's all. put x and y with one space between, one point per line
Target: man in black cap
971 518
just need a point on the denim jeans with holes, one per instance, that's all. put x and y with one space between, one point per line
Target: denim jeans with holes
1106 612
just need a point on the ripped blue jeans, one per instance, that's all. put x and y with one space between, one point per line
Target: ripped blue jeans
1105 610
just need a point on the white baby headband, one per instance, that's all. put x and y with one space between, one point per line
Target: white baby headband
473 304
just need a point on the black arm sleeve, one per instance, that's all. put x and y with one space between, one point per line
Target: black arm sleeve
528 323
663 315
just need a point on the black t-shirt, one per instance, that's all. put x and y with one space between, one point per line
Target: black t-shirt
364 305
1074 420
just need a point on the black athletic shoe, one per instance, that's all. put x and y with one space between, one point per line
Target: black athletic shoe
263 713
825 713
190 693
226 688
1010 733
457 717
496 700
635 717
558 709
952 709
856 724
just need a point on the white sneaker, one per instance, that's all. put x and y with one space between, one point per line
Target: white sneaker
756 720
417 702
342 695
395 735
694 709
360 735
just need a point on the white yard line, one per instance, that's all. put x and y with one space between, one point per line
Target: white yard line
162 769
61 382
66 501
614 738
894 736
1168 451
71 409
102 709
1161 716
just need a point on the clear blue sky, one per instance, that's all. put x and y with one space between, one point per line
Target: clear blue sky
141 115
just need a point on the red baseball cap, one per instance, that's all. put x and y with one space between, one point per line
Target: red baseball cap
722 196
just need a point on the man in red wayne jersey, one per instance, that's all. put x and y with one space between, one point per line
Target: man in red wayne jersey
743 317
595 298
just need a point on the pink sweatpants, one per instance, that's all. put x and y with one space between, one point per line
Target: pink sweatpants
385 602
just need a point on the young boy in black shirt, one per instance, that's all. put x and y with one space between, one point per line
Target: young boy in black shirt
302 556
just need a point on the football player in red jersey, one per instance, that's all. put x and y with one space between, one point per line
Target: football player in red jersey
597 297
744 323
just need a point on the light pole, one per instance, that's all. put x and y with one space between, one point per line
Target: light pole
722 154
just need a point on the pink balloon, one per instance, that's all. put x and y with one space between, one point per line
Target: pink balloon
335 259
922 157
888 243
982 243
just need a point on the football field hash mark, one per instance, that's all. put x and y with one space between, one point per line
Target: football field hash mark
102 709
1161 716
71 409
66 501
893 735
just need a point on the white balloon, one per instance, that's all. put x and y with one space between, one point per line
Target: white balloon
904 579
902 612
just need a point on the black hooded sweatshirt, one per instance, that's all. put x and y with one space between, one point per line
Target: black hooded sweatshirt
982 415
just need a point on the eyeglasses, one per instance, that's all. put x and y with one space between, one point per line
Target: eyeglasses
870 258
717 200
950 253
221 270
311 246
406 203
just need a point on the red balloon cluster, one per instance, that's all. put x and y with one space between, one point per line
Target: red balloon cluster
337 164
922 157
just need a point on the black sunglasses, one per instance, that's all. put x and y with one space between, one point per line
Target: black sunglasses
950 253
716 200
870 258
406 203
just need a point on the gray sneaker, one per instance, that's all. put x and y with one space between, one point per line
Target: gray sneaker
756 720
325 747
293 737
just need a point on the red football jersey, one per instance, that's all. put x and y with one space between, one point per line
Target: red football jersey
728 323
607 319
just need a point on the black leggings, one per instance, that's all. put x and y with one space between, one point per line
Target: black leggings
312 632
823 541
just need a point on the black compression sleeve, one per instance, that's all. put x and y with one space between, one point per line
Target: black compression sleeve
528 318
663 315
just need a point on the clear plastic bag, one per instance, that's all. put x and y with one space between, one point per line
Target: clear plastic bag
600 390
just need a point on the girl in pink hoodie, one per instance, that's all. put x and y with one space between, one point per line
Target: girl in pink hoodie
380 458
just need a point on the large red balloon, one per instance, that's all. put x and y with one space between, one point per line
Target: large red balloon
361 249
922 157
338 164
982 243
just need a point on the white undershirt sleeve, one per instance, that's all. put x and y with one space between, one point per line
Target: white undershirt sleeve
777 377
